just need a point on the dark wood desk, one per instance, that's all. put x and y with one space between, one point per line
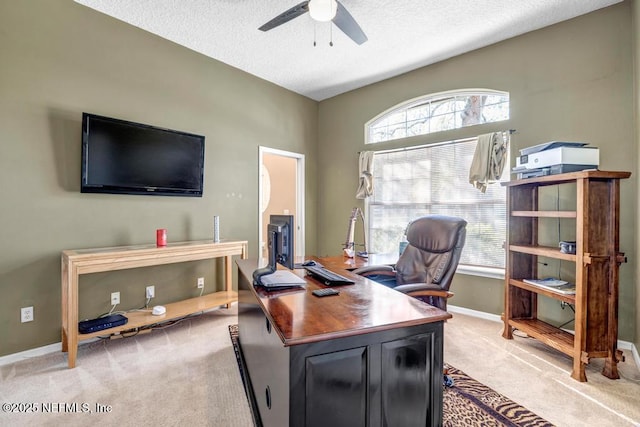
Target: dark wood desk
343 263
370 356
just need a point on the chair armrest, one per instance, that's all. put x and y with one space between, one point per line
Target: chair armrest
423 289
375 269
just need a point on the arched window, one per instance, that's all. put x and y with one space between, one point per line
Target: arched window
413 181
438 112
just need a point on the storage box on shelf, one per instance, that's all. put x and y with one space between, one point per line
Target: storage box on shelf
596 260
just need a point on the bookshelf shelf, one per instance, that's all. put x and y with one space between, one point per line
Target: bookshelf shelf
548 334
549 252
568 298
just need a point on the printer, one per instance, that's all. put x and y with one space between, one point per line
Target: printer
556 157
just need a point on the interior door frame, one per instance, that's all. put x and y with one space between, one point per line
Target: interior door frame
299 234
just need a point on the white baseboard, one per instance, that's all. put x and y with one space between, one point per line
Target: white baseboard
51 348
624 345
636 356
47 349
28 354
474 313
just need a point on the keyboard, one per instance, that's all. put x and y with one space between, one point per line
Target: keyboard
327 277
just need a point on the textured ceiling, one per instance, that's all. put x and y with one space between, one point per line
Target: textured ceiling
403 34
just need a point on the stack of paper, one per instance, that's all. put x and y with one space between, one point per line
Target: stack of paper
549 281
557 285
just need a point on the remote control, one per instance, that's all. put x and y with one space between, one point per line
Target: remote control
325 292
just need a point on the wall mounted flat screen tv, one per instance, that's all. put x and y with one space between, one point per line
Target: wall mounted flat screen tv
123 157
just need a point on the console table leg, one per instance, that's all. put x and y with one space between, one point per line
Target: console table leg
65 280
73 352
228 276
65 345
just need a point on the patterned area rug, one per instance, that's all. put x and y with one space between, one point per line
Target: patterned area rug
466 403
470 403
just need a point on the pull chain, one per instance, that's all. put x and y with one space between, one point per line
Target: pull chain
315 34
330 34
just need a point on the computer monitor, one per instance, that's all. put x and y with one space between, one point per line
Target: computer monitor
279 245
280 231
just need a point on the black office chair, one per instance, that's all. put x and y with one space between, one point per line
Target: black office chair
427 265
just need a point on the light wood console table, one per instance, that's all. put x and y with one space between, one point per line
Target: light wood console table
84 261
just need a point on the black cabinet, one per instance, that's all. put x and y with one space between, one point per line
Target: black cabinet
382 378
336 388
383 383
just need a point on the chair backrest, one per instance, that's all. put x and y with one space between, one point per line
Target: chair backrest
433 252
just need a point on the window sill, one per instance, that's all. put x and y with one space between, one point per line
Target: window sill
490 272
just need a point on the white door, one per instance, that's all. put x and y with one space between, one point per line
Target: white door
281 191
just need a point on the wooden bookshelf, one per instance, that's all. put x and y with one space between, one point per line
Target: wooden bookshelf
597 260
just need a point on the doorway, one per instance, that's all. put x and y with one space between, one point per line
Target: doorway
281 191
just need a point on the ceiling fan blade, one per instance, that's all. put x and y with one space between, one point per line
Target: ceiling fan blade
348 25
286 16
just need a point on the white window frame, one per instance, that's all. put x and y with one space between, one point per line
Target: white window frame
434 97
475 270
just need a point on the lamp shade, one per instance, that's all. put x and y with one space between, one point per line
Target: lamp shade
322 10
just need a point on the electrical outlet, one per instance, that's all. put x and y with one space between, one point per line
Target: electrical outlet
151 291
200 282
26 314
115 298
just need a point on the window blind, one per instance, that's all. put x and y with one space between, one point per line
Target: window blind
434 180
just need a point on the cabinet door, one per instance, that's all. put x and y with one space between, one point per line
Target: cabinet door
336 389
409 389
267 362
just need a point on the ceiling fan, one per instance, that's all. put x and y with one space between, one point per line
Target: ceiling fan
323 11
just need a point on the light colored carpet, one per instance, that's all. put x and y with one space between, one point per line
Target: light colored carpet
538 377
187 375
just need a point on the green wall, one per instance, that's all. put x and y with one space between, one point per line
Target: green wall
571 81
636 115
60 59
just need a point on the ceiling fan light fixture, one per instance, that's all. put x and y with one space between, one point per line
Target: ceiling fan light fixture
323 10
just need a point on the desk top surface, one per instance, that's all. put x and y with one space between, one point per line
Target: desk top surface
364 307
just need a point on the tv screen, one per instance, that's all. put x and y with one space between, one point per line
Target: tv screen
132 158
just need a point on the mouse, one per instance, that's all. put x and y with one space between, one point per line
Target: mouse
159 310
309 263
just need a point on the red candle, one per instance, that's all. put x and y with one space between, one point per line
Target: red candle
161 237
